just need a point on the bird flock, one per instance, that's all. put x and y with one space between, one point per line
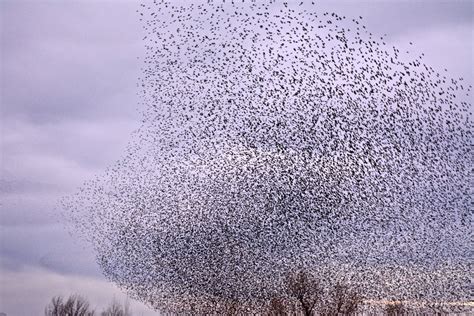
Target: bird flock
279 137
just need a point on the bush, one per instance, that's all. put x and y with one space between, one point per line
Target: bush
74 305
77 305
116 309
304 295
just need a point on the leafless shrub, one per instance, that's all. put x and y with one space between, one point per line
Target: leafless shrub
117 309
342 300
75 305
304 288
304 295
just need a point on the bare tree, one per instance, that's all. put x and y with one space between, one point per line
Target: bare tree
343 301
304 288
75 305
305 296
55 307
117 309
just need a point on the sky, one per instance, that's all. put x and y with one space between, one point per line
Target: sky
69 75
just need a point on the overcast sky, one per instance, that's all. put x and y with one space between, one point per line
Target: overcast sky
69 74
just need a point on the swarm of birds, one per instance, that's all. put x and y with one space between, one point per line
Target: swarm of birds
279 137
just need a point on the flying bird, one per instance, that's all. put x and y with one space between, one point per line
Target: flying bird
278 137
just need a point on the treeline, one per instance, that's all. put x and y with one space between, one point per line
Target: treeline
76 305
301 294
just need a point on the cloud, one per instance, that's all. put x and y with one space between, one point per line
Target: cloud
455 42
74 60
28 291
68 107
48 246
441 30
51 152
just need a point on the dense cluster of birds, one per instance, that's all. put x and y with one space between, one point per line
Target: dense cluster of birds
278 137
